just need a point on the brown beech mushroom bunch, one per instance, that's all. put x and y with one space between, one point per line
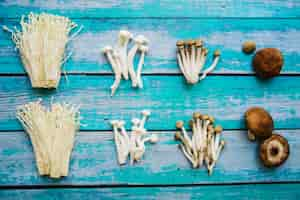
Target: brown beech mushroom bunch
267 63
191 57
274 148
205 144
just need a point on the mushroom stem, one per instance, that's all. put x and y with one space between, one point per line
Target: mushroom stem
124 37
143 50
213 65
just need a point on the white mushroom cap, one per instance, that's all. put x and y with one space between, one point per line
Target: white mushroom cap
141 39
146 112
121 123
124 36
107 49
135 121
114 122
143 48
153 138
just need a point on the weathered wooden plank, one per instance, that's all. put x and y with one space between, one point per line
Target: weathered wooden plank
169 98
165 8
274 191
94 162
226 34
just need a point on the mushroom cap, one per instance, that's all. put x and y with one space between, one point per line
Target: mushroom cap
218 129
125 34
114 122
107 49
180 43
135 121
249 47
274 151
217 53
196 115
191 42
141 39
143 48
211 119
259 122
267 62
199 43
179 124
205 51
146 112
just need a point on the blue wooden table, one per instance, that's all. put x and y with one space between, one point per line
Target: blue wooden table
164 173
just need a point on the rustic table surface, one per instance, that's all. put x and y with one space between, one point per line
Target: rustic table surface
164 172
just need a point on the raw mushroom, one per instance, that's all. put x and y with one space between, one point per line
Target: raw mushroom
123 40
259 123
249 47
274 151
267 62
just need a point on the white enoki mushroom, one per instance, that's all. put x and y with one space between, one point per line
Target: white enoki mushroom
41 44
205 146
112 57
123 40
191 57
52 135
143 50
133 146
139 41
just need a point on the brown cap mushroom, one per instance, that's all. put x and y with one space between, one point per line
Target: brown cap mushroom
267 62
274 151
259 123
249 47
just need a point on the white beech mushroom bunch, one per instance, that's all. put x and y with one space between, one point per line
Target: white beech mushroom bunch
205 144
52 135
122 60
41 43
133 145
191 57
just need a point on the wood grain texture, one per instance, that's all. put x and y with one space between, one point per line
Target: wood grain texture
94 162
224 34
170 99
154 8
255 192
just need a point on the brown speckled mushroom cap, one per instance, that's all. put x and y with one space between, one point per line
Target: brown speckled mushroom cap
259 122
267 62
274 151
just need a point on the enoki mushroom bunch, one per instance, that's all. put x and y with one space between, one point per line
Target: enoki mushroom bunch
191 57
51 133
122 60
205 144
41 43
133 145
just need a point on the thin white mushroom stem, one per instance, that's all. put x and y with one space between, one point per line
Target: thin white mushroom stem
143 49
181 66
139 40
184 62
124 38
118 144
217 54
145 115
112 58
221 146
204 53
191 50
180 126
188 156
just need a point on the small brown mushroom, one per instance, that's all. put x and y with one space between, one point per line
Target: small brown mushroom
259 123
249 47
267 62
274 151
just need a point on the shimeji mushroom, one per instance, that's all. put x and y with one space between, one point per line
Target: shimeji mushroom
124 38
204 145
139 41
112 57
133 145
143 50
191 57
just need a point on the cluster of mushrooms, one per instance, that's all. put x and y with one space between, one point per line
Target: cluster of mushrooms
191 57
133 145
122 60
274 148
205 144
